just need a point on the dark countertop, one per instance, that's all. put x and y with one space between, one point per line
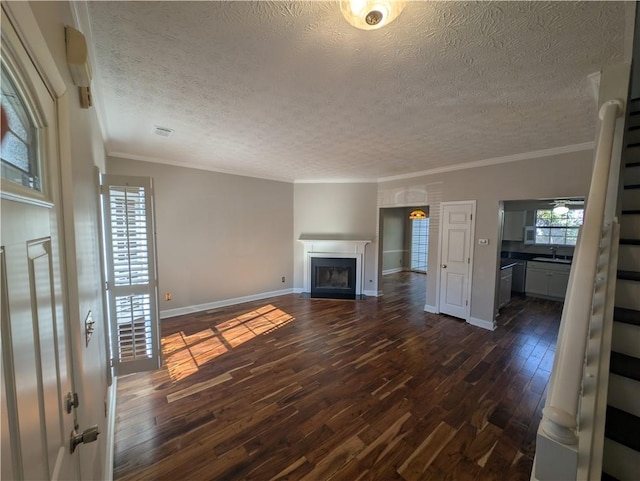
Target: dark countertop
528 257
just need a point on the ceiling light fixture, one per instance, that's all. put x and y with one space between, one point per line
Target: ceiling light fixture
560 208
370 14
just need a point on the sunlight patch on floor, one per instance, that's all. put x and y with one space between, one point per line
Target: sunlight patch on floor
184 354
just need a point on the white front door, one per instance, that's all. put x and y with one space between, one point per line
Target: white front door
455 258
36 364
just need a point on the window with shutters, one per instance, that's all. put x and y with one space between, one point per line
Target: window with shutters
131 279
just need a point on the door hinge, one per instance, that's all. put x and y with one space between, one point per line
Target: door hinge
71 401
466 303
468 260
106 285
471 217
89 435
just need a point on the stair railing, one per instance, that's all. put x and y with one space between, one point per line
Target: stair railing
557 441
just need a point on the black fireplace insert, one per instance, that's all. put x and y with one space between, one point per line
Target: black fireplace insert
333 277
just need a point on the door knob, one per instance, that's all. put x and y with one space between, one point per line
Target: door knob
444 266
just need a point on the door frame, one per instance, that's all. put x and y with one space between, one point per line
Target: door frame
472 232
379 263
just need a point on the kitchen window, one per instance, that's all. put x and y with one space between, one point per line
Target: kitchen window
558 229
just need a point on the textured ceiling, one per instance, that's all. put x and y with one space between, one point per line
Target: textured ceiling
291 91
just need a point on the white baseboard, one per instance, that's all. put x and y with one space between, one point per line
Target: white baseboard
224 303
490 325
298 290
372 293
110 436
392 271
431 309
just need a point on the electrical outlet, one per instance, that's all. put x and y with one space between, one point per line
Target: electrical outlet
283 278
167 296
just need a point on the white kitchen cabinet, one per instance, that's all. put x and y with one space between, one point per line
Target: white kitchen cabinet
558 282
546 279
514 223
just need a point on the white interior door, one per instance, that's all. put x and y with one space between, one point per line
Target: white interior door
132 279
36 364
455 258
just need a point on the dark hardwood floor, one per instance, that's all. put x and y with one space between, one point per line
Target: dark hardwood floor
292 388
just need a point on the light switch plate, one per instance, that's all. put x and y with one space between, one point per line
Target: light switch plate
483 242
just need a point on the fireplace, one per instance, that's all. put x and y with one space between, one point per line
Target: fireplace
337 251
333 277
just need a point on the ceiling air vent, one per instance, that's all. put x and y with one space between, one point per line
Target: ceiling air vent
163 131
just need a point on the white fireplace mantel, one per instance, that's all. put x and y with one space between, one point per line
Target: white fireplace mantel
353 249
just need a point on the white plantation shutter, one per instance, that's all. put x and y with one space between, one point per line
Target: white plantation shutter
132 284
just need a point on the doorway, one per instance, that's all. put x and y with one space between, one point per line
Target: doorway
404 241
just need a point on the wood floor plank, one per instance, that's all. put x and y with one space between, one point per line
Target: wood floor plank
415 466
196 388
292 388
336 459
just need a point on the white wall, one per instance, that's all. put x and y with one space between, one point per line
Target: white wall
81 216
219 236
564 175
346 211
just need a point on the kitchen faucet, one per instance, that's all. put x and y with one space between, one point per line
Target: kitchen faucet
553 250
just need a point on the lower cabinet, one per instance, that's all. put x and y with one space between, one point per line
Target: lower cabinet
545 279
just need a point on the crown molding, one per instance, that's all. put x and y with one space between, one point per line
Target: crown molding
496 160
439 170
336 181
191 165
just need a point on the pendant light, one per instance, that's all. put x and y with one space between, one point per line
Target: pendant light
417 214
370 14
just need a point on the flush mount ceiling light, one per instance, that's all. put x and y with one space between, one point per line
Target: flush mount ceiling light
370 14
561 206
560 209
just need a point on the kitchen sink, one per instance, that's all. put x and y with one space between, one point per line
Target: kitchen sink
548 259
